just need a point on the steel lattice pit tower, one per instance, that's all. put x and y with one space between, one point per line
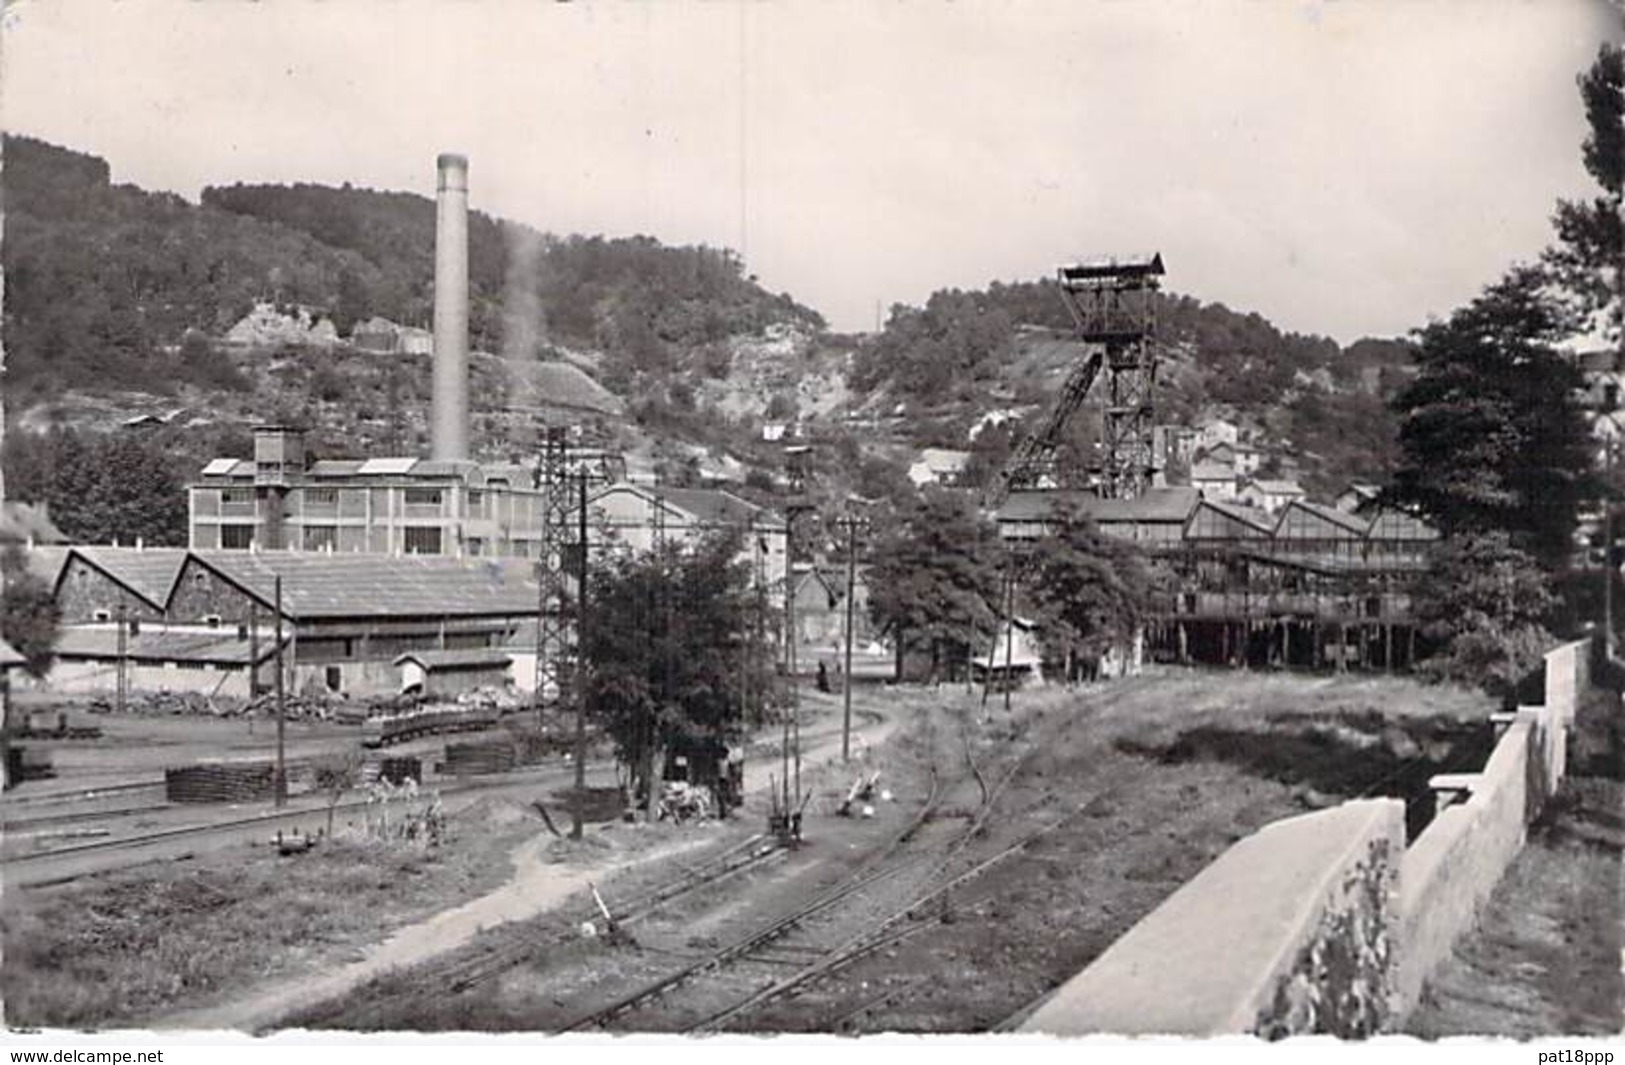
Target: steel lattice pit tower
1112 302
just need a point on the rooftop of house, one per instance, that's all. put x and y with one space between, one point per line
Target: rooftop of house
1272 487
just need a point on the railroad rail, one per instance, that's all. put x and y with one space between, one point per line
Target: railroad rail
864 876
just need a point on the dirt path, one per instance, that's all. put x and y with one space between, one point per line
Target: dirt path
535 887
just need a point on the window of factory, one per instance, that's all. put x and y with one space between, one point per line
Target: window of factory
476 498
476 547
321 537
236 495
425 496
322 497
334 678
236 537
101 615
422 539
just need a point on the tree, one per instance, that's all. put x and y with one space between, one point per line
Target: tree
1088 591
1492 436
29 616
1483 603
663 645
336 774
1591 233
933 578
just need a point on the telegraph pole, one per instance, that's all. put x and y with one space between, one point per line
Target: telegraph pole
581 658
281 783
123 652
852 523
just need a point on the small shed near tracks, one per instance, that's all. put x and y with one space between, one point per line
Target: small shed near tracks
451 672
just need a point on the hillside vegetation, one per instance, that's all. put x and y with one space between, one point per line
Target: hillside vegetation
118 299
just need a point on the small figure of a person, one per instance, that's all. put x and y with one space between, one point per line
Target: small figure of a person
823 676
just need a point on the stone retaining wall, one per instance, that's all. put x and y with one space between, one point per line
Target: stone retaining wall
1327 923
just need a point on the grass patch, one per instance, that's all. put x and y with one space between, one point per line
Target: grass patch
129 946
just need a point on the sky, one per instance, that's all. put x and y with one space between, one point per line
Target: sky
1349 168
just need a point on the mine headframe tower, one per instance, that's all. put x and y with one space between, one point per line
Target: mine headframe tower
1112 304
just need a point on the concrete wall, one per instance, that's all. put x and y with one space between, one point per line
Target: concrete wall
1287 932
1326 922
1454 865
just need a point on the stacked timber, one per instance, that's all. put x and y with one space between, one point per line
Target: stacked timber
484 756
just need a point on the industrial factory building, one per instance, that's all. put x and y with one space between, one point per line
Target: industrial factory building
387 506
1311 586
193 620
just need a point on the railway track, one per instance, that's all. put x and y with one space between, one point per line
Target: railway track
769 946
870 872
98 855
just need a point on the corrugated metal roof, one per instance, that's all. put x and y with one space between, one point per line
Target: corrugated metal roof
1278 488
396 465
1256 519
224 648
220 467
9 656
149 572
469 658
356 585
1169 504
334 467
1342 519
1397 525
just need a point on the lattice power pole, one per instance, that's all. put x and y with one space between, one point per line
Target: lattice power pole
1113 307
554 664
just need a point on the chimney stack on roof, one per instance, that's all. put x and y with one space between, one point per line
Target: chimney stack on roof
450 404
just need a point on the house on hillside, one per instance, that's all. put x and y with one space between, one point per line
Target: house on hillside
383 337
938 465
266 326
636 515
1244 459
1269 495
28 524
1214 480
1210 434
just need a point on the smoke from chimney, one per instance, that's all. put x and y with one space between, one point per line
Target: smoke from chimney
449 432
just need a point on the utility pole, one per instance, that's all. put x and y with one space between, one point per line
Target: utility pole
852 523
253 650
123 652
281 783
1609 413
581 659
